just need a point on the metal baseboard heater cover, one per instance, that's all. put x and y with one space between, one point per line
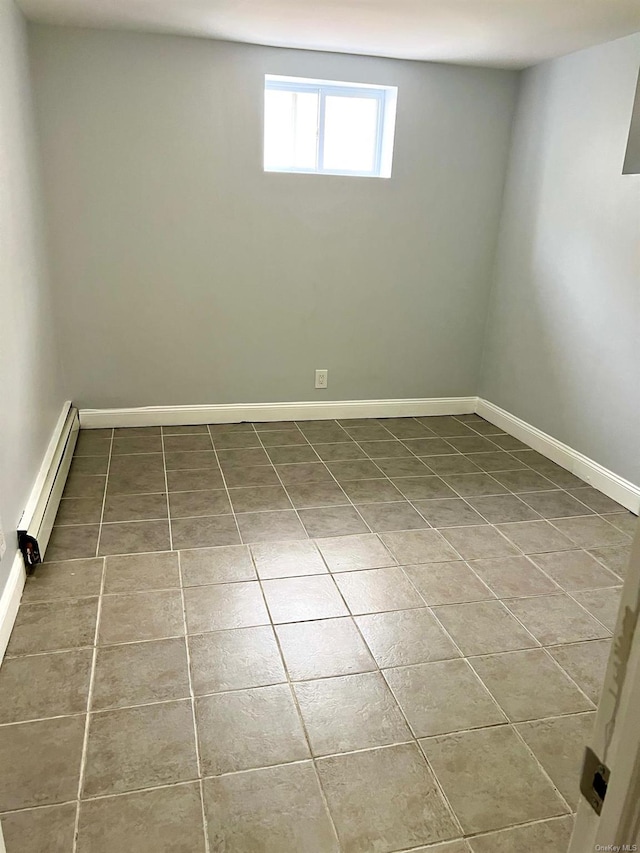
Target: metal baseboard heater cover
36 524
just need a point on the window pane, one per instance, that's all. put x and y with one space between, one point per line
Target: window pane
350 133
290 129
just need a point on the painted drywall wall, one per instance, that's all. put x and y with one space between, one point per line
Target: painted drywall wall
30 379
563 335
185 274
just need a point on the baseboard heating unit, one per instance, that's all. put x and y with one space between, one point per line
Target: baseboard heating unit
37 519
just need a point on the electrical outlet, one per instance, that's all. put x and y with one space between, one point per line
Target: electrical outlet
322 378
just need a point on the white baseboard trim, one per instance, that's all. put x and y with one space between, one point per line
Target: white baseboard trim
616 487
601 478
10 600
302 411
44 499
39 512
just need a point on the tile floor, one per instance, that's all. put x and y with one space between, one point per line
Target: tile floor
359 636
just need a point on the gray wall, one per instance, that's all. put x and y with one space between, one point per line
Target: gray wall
562 347
30 389
184 274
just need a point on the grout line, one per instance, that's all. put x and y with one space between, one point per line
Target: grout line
85 741
295 509
193 709
104 496
295 698
226 488
414 740
166 491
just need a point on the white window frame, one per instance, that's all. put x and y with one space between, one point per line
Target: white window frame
385 96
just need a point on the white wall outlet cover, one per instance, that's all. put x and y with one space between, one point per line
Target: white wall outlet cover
322 378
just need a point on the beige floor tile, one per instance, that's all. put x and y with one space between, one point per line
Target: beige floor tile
300 599
41 686
351 553
282 454
145 821
189 481
483 627
591 532
535 537
192 504
447 583
424 488
403 637
332 521
142 747
559 744
126 618
556 619
511 577
491 779
305 495
614 557
135 507
601 603
141 572
307 472
498 509
274 810
189 460
441 697
449 512
225 564
71 543
391 516
323 648
362 791
371 491
375 590
68 579
556 504
287 559
454 463
586 663
54 625
261 727
44 762
596 500
134 537
480 542
529 685
397 468
575 570
80 485
270 526
138 673
496 461
225 605
475 485
627 522
550 836
350 712
524 480
419 546
460 846
205 532
49 829
235 659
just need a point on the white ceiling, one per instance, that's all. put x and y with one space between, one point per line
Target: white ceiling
504 33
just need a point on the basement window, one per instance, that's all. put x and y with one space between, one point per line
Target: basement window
328 128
